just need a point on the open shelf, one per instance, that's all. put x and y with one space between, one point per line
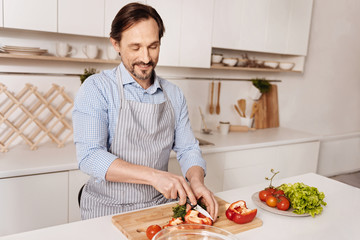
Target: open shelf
106 61
59 59
252 69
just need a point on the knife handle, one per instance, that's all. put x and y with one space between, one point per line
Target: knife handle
188 202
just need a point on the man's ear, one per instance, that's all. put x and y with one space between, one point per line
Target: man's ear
115 44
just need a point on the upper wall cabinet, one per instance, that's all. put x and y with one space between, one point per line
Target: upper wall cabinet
196 30
82 17
38 15
112 7
280 26
188 28
171 14
1 13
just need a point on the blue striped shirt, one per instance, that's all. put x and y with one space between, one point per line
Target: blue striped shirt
96 111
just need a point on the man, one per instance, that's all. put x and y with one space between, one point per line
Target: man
127 121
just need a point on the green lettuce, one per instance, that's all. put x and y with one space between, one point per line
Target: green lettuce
304 199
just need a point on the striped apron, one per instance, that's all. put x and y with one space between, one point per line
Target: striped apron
144 136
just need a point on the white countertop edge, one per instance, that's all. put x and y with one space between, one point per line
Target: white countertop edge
41 161
343 226
214 149
38 170
334 137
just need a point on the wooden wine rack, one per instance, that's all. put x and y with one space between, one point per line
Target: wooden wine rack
31 116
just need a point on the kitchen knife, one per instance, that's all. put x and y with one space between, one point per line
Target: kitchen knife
198 208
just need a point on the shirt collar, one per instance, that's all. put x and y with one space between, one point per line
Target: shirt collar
128 79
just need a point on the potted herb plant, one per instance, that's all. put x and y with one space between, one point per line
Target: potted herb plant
87 73
258 87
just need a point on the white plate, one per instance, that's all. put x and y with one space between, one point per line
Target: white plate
26 52
261 204
7 47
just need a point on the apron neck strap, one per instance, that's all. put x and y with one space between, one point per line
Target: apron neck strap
121 87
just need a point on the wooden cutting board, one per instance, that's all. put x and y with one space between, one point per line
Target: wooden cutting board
129 223
267 115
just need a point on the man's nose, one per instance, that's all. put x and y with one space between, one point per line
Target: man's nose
144 55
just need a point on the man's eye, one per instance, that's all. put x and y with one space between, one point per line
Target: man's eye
135 48
154 46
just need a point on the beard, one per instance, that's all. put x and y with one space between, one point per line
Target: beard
142 74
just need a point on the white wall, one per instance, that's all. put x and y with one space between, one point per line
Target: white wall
323 100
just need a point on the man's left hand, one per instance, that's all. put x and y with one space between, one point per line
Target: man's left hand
195 175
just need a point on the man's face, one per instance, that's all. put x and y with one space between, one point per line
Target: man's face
139 48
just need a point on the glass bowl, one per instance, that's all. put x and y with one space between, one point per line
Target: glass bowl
193 231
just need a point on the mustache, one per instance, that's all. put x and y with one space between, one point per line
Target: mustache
151 63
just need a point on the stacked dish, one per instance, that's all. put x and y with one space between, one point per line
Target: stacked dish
22 50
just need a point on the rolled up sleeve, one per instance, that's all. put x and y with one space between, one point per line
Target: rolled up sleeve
91 130
186 145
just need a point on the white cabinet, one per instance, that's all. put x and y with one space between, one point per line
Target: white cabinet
196 31
188 28
82 17
299 27
33 202
280 26
38 15
247 167
112 7
76 180
215 170
1 14
170 12
234 169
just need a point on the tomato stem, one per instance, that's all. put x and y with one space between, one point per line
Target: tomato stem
274 174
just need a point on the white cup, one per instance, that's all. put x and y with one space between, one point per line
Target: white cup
246 121
111 53
224 128
63 49
90 51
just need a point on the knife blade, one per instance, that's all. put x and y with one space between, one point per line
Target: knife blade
198 208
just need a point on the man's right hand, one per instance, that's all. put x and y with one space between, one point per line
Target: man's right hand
172 186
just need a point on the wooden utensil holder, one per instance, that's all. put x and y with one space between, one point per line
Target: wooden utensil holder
30 125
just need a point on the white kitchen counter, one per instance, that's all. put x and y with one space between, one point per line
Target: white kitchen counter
20 160
339 219
253 139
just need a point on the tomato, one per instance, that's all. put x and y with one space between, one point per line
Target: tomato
152 230
263 194
279 192
283 203
271 201
270 189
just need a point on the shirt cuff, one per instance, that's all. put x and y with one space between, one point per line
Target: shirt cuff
191 159
97 164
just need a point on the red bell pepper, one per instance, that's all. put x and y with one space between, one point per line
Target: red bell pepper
193 216
239 213
173 222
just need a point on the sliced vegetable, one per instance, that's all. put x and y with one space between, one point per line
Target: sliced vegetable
303 198
179 211
174 221
193 217
239 213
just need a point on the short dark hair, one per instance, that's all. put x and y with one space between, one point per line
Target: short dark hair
131 14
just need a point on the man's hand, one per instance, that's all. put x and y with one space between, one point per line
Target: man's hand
172 186
195 175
